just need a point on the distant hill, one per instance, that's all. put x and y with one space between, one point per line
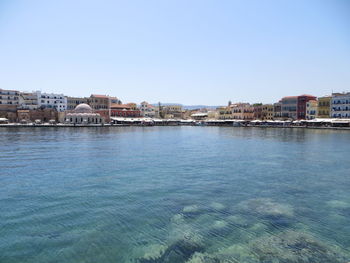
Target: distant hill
188 107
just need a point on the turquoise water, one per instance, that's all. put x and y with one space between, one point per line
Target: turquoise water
174 194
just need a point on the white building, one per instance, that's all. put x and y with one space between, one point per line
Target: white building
83 114
51 100
147 110
9 98
340 105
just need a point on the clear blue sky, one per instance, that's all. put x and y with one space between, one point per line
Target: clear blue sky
185 51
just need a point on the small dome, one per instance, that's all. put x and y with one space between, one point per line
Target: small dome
83 108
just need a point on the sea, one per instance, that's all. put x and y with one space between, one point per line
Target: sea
174 194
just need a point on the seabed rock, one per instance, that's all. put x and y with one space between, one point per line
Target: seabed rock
178 252
295 247
217 206
338 204
266 207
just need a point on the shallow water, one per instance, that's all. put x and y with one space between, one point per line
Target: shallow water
174 194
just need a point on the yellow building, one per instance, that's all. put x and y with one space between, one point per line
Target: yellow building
311 109
267 112
224 113
324 104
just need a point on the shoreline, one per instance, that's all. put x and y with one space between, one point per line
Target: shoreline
168 125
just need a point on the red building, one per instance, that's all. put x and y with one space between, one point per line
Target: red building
301 108
124 110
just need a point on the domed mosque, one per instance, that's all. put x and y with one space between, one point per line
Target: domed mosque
83 114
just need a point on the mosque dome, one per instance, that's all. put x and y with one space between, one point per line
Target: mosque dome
83 108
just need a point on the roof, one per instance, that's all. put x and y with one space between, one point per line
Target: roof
120 106
290 97
100 96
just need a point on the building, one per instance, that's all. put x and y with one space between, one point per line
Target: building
242 111
52 101
324 107
101 104
147 110
267 112
224 113
73 102
28 101
340 105
9 100
311 109
83 114
172 111
289 106
301 109
257 111
277 110
294 107
125 110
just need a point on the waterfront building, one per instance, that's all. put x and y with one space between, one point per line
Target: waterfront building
73 102
147 110
52 101
257 107
289 107
172 111
101 104
28 101
199 116
277 110
324 107
294 107
267 112
311 109
224 113
242 111
125 110
340 105
9 100
83 114
301 109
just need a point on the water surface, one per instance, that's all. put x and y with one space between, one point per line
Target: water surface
174 194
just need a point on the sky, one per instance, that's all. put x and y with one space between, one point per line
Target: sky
179 51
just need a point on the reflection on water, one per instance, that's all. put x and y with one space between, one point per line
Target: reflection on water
174 194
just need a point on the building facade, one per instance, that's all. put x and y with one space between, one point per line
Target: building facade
289 106
84 115
124 110
277 110
242 111
28 101
311 109
301 109
340 105
52 101
294 107
324 107
9 100
224 113
147 110
73 102
172 111
267 112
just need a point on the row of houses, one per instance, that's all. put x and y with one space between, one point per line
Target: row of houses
19 106
303 107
